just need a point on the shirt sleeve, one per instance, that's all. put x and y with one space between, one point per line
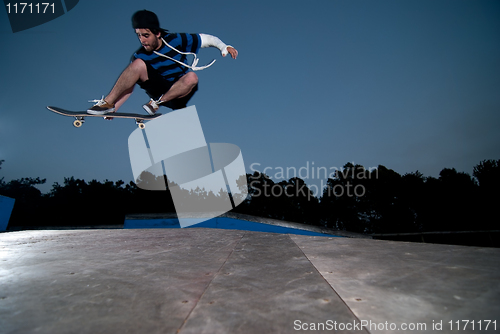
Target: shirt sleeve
191 42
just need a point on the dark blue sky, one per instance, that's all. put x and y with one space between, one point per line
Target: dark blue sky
411 85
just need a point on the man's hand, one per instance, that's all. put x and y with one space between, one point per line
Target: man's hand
232 51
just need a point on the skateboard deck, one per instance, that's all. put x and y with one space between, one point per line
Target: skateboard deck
80 116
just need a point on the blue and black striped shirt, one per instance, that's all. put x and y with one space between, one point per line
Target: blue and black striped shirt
169 69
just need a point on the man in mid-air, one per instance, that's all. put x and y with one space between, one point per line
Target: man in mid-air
160 67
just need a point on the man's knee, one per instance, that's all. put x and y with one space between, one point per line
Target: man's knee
139 67
191 79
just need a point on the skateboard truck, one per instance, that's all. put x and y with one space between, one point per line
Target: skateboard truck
78 122
140 123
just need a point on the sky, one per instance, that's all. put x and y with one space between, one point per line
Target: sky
411 85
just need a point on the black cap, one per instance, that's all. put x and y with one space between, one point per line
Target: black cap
144 19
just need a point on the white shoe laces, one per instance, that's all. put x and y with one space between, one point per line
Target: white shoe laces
99 102
156 103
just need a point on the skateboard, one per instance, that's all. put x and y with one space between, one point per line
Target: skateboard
80 116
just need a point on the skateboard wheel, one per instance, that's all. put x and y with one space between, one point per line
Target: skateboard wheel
141 126
77 123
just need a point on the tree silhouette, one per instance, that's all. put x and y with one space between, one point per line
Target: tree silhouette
487 174
298 202
263 198
355 199
288 200
386 198
29 199
343 205
414 197
457 193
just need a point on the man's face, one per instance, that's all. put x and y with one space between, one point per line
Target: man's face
149 41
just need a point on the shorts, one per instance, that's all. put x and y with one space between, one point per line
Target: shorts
156 86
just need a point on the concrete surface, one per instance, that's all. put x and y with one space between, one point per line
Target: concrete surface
200 280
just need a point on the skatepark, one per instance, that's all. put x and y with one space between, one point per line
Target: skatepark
375 117
230 280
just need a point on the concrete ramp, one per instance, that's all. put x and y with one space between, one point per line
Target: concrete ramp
201 280
232 221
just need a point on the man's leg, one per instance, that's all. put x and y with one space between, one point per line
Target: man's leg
121 100
178 94
125 84
181 87
123 87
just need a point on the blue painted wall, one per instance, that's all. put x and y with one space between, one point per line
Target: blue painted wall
6 206
222 223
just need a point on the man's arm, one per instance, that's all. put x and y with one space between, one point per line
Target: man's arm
212 41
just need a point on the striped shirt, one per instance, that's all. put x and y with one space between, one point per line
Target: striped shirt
169 69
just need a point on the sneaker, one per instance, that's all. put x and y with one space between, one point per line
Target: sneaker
101 107
152 106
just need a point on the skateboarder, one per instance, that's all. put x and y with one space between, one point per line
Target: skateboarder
160 67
